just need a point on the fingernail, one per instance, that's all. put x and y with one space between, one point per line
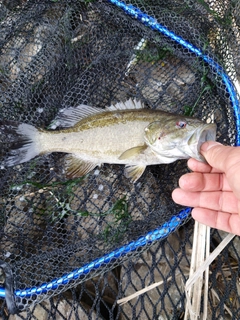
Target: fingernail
208 145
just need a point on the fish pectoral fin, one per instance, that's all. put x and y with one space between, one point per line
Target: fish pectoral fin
76 167
132 152
134 172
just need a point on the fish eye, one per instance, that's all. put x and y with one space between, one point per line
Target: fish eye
181 124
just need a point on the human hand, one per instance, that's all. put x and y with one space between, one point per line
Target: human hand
213 189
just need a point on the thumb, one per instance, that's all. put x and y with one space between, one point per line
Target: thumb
219 156
227 160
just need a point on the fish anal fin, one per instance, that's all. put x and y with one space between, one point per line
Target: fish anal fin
134 172
76 167
133 152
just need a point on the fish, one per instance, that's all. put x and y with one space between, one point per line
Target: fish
124 133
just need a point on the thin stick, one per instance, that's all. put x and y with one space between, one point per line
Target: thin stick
206 278
142 291
140 46
216 295
193 257
191 279
210 259
197 274
198 256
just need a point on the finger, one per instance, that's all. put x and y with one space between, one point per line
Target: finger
196 181
217 219
199 166
218 200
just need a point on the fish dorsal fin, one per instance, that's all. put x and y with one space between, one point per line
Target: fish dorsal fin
68 117
134 172
76 167
129 104
133 152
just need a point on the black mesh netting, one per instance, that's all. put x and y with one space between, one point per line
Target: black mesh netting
59 54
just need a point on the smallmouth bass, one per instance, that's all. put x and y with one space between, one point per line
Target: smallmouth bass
125 133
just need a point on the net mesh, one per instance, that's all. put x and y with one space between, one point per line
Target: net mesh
56 233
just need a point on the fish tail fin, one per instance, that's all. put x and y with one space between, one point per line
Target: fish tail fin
23 142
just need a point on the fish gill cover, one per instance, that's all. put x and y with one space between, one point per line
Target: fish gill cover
172 56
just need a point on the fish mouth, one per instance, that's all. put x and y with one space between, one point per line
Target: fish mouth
206 133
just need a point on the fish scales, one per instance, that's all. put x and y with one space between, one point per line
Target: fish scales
125 133
103 137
